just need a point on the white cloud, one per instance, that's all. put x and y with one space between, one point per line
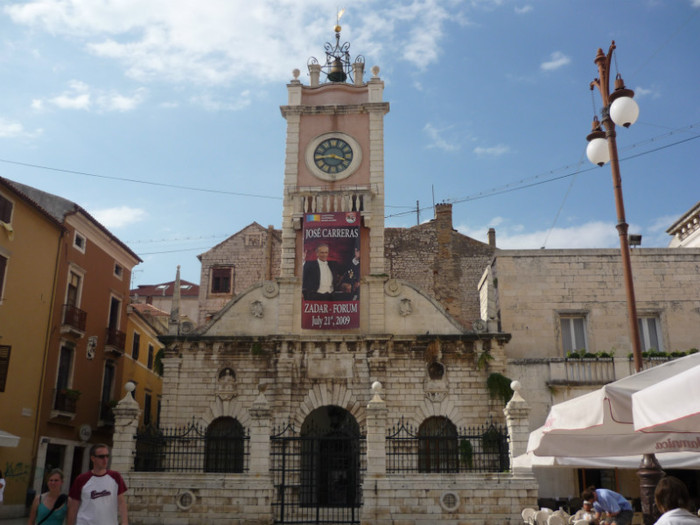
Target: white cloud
595 234
119 217
695 3
663 223
522 10
557 60
492 151
12 130
209 103
644 92
214 42
117 102
81 96
437 140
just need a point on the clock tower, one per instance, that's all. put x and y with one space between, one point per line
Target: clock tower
333 213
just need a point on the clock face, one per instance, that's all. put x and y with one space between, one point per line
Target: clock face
333 156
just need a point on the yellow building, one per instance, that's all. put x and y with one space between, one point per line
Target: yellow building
30 245
141 365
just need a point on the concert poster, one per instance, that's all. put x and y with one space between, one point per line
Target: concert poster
331 271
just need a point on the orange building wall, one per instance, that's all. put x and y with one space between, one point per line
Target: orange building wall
25 310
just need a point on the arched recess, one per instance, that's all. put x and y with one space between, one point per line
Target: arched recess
226 408
225 446
437 445
338 395
330 458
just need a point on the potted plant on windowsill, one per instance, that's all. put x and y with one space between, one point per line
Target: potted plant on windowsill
71 393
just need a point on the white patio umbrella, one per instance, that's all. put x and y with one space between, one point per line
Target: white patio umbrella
672 405
671 460
8 440
600 423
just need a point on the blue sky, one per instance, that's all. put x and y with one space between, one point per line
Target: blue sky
162 118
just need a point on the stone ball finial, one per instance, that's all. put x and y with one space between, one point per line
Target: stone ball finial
515 386
130 386
376 392
296 73
375 71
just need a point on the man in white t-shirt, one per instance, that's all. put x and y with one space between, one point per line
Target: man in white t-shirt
97 496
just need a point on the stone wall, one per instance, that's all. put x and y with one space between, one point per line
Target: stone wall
300 375
433 257
439 260
408 498
253 253
535 287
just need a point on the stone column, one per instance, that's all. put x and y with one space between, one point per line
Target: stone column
260 414
126 422
375 477
260 479
517 414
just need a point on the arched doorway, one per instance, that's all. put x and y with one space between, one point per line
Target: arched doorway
330 458
318 469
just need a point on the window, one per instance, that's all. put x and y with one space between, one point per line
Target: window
5 210
221 280
437 446
150 357
107 387
118 270
3 267
650 334
147 409
79 242
224 446
65 397
573 333
73 291
135 346
4 365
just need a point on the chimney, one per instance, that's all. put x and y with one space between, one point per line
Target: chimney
443 216
492 237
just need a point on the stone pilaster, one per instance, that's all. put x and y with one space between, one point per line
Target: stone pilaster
260 414
126 422
375 477
517 414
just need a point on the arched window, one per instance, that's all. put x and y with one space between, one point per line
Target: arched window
224 446
437 446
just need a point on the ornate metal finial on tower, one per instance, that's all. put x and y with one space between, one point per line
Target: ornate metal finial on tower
338 67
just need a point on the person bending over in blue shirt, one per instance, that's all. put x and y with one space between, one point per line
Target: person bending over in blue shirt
617 509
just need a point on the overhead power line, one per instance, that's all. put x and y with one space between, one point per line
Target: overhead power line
137 181
538 180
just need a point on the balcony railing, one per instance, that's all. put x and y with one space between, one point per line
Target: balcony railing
74 319
65 400
582 371
115 341
321 200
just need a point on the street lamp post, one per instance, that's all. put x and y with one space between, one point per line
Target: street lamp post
619 108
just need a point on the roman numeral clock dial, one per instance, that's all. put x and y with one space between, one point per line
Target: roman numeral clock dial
333 156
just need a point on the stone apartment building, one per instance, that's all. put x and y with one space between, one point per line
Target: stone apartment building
344 374
554 302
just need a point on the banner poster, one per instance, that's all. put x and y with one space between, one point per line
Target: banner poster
331 271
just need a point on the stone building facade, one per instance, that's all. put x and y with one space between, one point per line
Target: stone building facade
379 409
246 258
554 302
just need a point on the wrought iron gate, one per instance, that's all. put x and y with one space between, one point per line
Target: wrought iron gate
317 477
